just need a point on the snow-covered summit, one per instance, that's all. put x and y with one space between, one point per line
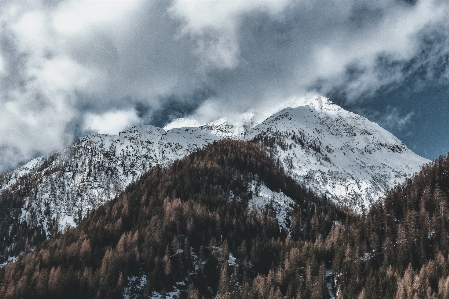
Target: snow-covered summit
337 153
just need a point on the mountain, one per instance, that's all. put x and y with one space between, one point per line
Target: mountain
227 222
209 224
333 152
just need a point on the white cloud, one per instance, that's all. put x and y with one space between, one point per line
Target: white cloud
74 17
111 122
32 124
397 36
2 65
181 123
392 118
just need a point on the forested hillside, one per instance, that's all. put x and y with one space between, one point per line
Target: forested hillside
193 230
184 224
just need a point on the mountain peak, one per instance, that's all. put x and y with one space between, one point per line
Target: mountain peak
315 102
337 153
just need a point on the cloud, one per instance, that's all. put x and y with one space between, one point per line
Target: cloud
403 45
111 122
66 65
75 17
181 123
350 50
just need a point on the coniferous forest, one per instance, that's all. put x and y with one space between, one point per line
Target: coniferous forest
188 226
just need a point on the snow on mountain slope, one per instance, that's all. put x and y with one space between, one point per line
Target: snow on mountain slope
96 169
350 159
281 204
334 152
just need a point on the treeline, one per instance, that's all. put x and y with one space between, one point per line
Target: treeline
187 228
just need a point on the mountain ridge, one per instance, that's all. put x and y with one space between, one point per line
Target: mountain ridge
332 152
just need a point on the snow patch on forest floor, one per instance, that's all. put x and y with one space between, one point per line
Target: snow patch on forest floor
329 286
232 261
10 259
135 286
281 204
170 295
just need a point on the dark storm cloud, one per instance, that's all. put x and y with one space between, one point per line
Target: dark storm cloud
70 68
172 107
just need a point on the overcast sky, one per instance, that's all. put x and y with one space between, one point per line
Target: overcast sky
71 68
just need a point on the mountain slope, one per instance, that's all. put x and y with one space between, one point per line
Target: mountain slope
226 222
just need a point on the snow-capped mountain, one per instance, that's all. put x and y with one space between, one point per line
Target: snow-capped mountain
350 159
332 151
